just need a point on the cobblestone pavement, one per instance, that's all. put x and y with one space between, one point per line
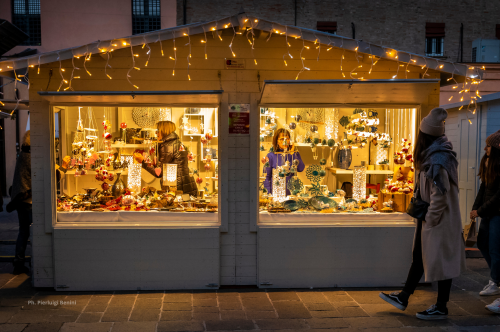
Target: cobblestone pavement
24 308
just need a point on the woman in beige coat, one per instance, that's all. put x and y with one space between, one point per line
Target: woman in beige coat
438 248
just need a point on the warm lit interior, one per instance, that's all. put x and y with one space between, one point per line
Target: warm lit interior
103 173
356 160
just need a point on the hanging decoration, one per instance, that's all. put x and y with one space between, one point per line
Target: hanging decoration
404 156
362 127
315 173
359 186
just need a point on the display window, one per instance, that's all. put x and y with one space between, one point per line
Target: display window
159 161
335 161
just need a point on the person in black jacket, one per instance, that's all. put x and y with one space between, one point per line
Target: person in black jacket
487 206
170 152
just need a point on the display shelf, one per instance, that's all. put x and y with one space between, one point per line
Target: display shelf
341 171
125 146
309 145
214 178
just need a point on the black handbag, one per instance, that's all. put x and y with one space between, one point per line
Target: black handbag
417 208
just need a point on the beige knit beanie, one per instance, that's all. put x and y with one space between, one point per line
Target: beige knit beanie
433 124
494 140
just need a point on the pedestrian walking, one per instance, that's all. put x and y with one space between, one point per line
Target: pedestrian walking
21 202
438 248
487 206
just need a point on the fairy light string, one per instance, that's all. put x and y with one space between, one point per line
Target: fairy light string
205 41
175 54
133 67
189 55
287 47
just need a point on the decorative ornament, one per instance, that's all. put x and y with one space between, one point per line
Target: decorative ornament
314 128
123 125
359 186
292 125
295 185
199 180
322 161
312 173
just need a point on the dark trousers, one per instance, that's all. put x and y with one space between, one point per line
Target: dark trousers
417 271
25 215
488 242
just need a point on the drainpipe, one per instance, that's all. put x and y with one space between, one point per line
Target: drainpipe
461 42
184 3
295 12
353 30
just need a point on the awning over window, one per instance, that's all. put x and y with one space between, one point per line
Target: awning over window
434 30
195 98
334 93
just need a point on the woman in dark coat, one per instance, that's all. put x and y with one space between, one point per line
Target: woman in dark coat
170 152
487 206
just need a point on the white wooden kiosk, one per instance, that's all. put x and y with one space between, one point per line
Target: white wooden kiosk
238 246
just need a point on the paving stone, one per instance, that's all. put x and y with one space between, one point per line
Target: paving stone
96 307
326 323
99 300
319 306
254 295
134 327
122 301
205 309
366 297
257 304
7 313
145 315
233 315
13 302
415 322
90 317
180 326
178 306
325 314
43 327
475 320
178 297
12 327
381 310
339 296
148 303
312 297
352 312
345 304
176 315
476 329
30 316
120 293
199 316
291 310
150 295
230 305
371 322
86 327
204 296
116 314
205 302
63 318
261 314
474 307
229 325
283 296
280 324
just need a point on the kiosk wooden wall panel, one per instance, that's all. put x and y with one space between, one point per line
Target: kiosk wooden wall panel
334 256
133 259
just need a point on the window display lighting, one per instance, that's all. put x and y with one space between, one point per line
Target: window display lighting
170 174
359 188
134 177
279 187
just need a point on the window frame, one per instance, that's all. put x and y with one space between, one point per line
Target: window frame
436 46
140 21
29 22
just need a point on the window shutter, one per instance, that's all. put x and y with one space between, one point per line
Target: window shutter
326 26
434 30
498 31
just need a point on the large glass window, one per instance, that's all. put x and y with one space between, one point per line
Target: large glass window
146 16
126 159
26 16
336 160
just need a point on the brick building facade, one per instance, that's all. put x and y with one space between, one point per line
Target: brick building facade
392 23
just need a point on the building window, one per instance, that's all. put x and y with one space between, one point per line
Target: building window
327 26
434 39
26 16
146 16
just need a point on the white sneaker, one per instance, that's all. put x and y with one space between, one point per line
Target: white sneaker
490 289
494 307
